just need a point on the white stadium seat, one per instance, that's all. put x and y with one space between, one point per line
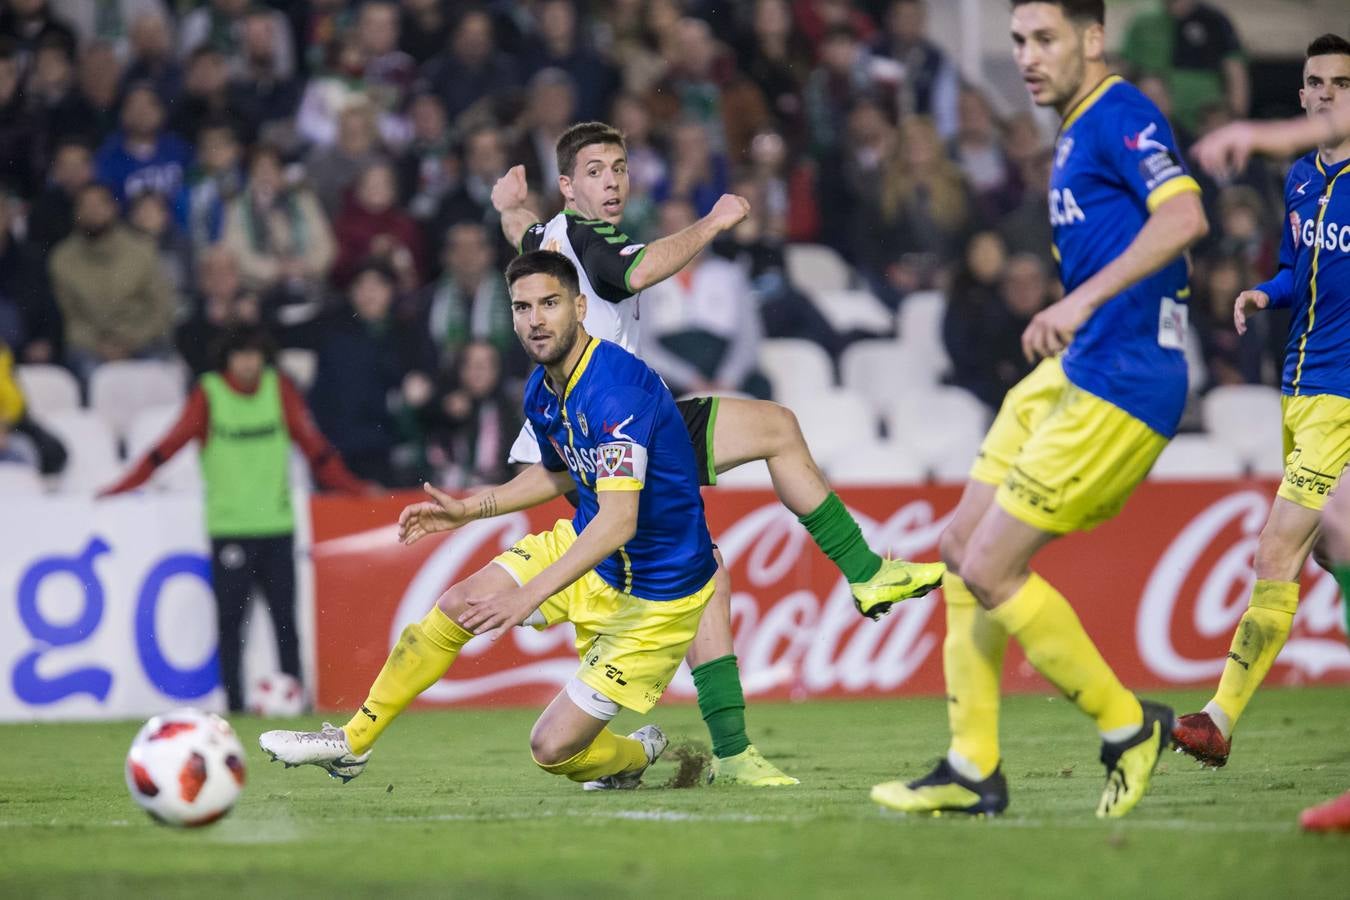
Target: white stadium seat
92 462
941 426
119 390
1191 456
815 268
835 423
48 389
299 365
796 368
920 317
182 474
854 310
18 480
1246 418
880 462
877 370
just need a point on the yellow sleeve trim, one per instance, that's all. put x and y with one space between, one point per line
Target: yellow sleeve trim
618 484
1169 189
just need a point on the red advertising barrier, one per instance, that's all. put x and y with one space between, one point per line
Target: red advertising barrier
1160 589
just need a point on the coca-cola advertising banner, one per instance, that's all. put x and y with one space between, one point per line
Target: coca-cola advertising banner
1160 589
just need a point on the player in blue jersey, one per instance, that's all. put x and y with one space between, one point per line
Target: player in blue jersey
1313 281
1073 439
632 570
1221 153
726 432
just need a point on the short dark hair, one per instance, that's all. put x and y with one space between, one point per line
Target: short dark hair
544 262
1328 45
583 135
241 338
374 265
1079 10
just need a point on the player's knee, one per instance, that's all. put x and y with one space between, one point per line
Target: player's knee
952 549
454 601
1275 559
779 427
551 750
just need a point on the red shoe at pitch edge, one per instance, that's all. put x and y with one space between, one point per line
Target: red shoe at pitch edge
1197 735
1334 815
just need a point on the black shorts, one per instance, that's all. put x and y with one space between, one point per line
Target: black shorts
700 418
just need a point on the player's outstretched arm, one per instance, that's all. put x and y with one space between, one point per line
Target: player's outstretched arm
509 196
613 526
1226 150
1173 227
662 259
531 487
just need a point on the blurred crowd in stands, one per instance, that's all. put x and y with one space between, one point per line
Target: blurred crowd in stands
170 169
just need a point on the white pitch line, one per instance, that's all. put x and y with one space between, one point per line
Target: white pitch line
668 815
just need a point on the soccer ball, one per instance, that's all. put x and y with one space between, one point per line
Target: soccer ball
277 696
185 768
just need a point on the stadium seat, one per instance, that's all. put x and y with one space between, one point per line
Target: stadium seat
1246 418
1190 456
920 317
796 368
878 369
182 474
48 388
816 268
941 426
835 423
120 390
854 311
17 480
880 462
93 460
299 365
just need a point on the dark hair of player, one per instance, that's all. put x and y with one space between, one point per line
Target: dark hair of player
242 339
1329 45
1080 11
544 262
582 135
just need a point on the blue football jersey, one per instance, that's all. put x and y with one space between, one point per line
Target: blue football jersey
1115 162
616 427
1314 277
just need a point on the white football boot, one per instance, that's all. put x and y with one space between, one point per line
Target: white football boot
653 741
326 748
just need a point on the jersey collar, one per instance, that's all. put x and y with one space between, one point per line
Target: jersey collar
577 370
1076 112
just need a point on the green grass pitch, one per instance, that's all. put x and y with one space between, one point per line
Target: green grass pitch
452 807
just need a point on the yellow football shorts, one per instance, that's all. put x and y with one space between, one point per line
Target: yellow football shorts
1063 459
1316 447
630 648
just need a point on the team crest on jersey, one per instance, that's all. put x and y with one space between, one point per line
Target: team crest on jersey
617 461
1295 225
581 420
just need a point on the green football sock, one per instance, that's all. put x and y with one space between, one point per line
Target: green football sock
1342 574
722 704
836 532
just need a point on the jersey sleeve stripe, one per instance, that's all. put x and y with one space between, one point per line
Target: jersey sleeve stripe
618 484
632 266
1171 188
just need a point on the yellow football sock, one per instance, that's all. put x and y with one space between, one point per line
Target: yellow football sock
608 754
423 653
1258 640
972 662
1056 644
